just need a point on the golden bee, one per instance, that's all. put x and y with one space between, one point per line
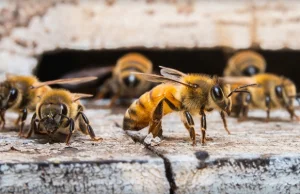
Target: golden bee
125 84
60 111
273 92
245 63
188 94
17 95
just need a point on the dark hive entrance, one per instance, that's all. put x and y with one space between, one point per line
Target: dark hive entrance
53 65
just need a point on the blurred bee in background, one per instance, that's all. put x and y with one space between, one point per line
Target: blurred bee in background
60 111
189 94
17 95
273 92
125 84
116 81
245 63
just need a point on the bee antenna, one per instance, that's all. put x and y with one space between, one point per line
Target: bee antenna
236 90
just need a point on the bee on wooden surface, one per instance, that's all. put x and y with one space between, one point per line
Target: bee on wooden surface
273 92
245 63
188 94
17 95
125 84
60 111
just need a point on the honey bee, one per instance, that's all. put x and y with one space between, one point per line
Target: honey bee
60 111
125 84
17 95
188 94
273 92
245 63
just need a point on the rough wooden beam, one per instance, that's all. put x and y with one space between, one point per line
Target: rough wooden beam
258 157
115 165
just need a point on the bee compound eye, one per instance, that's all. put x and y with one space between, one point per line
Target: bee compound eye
250 70
217 93
13 94
278 91
131 81
64 109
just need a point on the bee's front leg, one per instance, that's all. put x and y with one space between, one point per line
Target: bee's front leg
292 113
88 126
33 126
224 121
268 105
71 129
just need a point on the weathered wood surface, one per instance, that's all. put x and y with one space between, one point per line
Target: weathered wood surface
258 157
115 165
157 24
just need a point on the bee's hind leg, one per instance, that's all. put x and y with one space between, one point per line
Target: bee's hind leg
2 119
155 128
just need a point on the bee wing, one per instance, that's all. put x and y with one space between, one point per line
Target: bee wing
159 78
9 75
77 96
93 71
64 81
237 80
171 73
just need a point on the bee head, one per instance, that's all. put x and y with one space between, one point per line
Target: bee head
52 116
8 95
285 92
131 81
219 94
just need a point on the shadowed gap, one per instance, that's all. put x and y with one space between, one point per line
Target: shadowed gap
55 64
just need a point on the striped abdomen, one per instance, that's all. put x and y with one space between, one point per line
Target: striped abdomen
139 114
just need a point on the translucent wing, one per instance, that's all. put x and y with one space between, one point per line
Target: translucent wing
77 96
64 81
93 71
171 73
158 78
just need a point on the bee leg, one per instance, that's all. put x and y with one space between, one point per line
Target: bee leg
292 113
17 122
88 126
113 100
105 88
71 129
203 126
2 117
224 121
23 118
188 122
33 126
268 105
245 108
155 125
